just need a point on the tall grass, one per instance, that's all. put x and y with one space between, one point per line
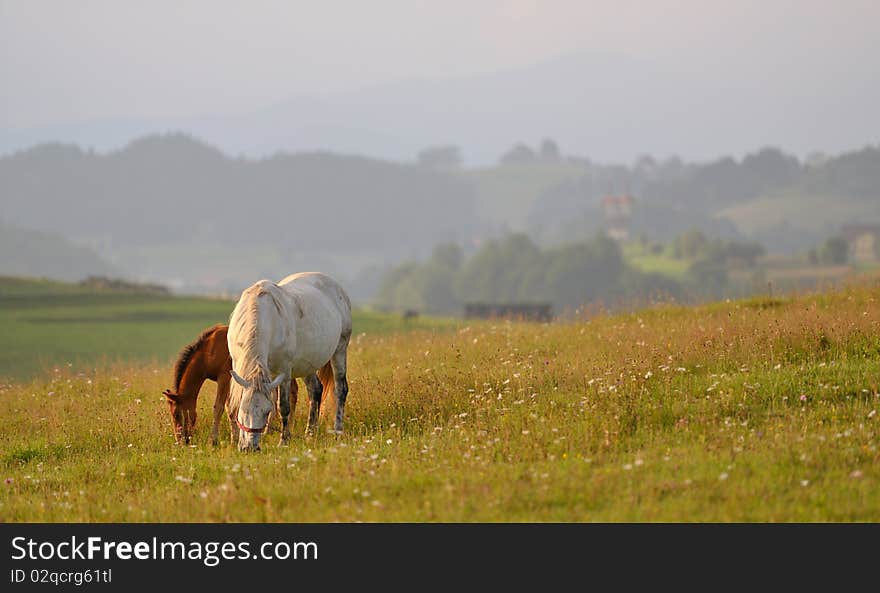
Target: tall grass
756 410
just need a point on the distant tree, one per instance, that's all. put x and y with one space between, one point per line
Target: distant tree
449 255
580 273
518 154
397 289
549 150
690 244
834 251
747 251
515 269
769 168
497 272
440 157
645 165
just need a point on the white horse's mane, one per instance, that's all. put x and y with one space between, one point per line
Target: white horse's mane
244 329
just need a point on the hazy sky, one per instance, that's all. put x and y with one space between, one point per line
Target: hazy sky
75 60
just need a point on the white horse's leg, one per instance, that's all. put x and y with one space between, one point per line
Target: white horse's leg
313 384
340 381
284 407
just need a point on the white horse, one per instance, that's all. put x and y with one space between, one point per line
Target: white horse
286 330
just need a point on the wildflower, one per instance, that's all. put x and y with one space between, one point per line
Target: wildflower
8 481
803 397
723 476
856 474
805 483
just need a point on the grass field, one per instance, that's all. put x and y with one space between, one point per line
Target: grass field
659 263
803 211
760 410
48 324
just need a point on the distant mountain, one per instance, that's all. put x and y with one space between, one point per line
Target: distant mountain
174 210
608 107
39 254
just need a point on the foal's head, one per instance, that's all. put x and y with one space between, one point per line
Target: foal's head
183 415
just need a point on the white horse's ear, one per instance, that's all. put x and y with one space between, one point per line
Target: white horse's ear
276 382
239 380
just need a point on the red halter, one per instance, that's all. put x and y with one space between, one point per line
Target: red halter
246 429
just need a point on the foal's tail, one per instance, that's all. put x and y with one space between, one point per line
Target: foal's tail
325 375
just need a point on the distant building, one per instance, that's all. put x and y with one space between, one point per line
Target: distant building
618 212
863 241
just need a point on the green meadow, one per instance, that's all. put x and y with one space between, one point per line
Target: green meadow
759 410
50 324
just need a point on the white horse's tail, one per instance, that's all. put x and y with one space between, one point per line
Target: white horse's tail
325 375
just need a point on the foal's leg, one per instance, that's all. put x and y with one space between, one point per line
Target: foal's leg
340 382
232 414
219 406
284 405
233 425
313 384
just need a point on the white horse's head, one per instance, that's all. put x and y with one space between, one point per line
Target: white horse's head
254 405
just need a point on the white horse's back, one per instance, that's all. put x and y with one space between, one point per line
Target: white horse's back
324 319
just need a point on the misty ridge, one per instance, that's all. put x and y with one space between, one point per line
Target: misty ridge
608 105
174 210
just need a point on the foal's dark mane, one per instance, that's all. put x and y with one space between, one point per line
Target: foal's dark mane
186 354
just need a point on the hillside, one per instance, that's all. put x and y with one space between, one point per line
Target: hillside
174 210
787 220
304 211
768 195
47 254
506 193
